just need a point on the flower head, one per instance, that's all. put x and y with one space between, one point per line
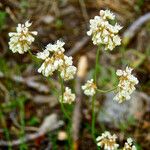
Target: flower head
129 145
103 32
21 40
68 97
57 61
89 88
107 141
126 84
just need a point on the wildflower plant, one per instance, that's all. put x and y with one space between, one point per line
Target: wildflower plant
104 34
21 40
56 61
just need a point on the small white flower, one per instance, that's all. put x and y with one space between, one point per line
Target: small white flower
129 145
107 14
43 55
107 141
68 60
68 72
57 61
103 32
126 84
21 40
57 47
47 68
68 96
89 88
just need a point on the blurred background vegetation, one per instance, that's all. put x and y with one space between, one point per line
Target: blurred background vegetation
27 98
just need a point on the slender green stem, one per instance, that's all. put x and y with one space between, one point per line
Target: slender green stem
96 64
93 117
69 136
65 112
33 57
106 91
123 60
94 97
62 98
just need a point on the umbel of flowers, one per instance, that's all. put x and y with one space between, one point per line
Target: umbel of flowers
103 32
126 84
108 142
68 96
89 88
55 60
21 40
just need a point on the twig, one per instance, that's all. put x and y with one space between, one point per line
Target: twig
77 115
84 10
49 124
131 31
78 46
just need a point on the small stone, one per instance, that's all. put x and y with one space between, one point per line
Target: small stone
114 114
62 135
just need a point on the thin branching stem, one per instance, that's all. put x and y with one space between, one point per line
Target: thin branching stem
64 111
106 91
94 97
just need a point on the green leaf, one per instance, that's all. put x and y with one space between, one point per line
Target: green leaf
33 121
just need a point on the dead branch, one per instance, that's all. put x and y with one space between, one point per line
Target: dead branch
132 30
84 10
77 114
50 123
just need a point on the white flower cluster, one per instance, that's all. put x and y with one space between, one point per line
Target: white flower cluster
57 61
126 84
68 96
107 141
103 32
129 145
21 40
89 88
